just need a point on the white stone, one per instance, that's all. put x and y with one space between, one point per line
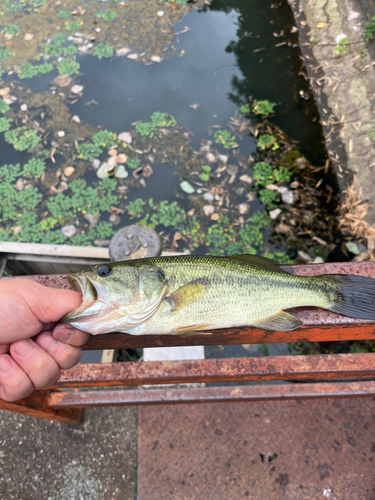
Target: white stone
160 13
210 157
76 89
28 37
60 133
223 159
286 195
95 163
275 213
23 107
123 51
208 196
133 56
246 178
156 59
121 172
68 231
208 209
112 161
76 119
243 208
125 137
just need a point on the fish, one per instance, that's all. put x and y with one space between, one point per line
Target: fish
190 294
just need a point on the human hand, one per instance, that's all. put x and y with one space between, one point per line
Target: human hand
32 352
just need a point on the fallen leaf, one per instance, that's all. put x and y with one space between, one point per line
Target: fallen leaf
76 89
125 137
68 171
121 172
215 217
121 158
112 161
4 91
321 25
208 209
112 152
147 171
246 178
187 187
62 80
28 37
243 208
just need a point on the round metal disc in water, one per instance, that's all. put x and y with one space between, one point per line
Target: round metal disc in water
135 242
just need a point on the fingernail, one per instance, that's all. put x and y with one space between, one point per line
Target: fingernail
65 334
47 343
5 364
24 347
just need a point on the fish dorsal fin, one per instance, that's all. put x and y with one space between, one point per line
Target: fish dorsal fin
262 262
187 293
281 322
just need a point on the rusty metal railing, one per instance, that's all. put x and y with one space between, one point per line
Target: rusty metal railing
63 403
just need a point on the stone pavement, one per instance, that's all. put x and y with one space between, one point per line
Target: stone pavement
96 460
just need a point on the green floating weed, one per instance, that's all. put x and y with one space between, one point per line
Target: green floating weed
34 168
280 257
341 46
251 234
10 172
219 235
145 129
282 175
159 119
136 207
89 151
178 2
105 138
11 29
63 14
22 138
107 15
245 108
4 107
28 70
269 198
225 138
169 214
4 53
67 67
5 124
263 108
370 30
264 174
73 25
55 46
205 176
48 223
133 162
267 141
102 50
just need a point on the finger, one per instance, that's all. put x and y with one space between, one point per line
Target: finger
14 383
70 335
41 368
4 348
65 355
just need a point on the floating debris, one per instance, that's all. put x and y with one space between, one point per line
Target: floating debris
68 171
187 187
125 137
76 89
68 231
121 172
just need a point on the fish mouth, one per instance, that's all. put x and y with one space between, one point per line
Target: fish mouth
81 284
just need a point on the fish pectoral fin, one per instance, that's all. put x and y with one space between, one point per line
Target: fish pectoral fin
187 293
191 330
281 322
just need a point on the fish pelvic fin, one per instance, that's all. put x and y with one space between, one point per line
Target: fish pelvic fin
188 331
352 296
187 293
281 322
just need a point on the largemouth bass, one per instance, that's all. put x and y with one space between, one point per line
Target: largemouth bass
185 294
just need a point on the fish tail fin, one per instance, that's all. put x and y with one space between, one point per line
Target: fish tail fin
352 296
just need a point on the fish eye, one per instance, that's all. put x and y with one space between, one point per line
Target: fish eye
104 270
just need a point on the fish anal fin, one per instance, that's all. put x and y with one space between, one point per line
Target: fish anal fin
281 322
262 262
191 330
187 293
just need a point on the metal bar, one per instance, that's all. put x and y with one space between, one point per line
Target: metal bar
319 325
37 405
325 367
231 394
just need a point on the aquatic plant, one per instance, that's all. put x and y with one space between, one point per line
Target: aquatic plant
5 124
67 67
73 25
159 119
136 207
10 172
263 174
145 129
33 168
168 214
54 238
219 235
245 108
341 45
267 141
89 151
55 46
370 30
269 198
4 53
225 138
107 15
133 162
11 29
105 138
263 108
282 175
48 223
280 257
22 138
251 234
178 2
63 14
102 50
205 176
29 70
